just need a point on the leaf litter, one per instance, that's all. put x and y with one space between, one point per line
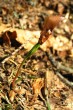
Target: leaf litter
31 84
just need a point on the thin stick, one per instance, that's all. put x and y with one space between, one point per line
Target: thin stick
61 67
58 65
6 59
68 83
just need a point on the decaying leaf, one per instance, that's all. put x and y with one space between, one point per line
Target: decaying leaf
62 43
60 8
26 37
12 95
30 38
20 91
8 36
4 27
38 84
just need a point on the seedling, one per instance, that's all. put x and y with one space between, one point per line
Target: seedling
49 24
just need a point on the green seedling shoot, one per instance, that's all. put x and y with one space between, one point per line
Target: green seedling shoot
45 33
31 52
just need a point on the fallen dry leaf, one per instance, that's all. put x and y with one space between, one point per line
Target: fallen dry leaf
38 84
61 43
30 38
8 36
20 91
12 95
4 27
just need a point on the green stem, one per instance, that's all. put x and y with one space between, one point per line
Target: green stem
48 106
32 51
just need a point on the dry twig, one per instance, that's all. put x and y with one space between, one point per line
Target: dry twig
65 80
60 67
6 59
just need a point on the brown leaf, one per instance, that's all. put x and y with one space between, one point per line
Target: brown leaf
4 10
60 8
38 84
8 36
12 95
20 91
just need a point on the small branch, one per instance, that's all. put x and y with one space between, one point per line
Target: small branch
70 84
58 65
6 59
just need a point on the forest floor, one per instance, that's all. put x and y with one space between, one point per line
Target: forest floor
47 76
